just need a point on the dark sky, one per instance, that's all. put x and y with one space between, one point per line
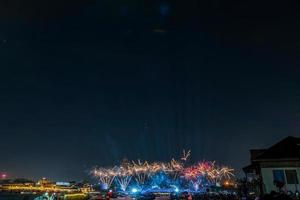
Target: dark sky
87 83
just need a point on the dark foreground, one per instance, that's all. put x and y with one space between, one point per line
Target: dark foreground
197 197
17 197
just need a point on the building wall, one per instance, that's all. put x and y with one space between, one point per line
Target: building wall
268 180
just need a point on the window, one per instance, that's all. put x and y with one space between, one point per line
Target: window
291 177
278 176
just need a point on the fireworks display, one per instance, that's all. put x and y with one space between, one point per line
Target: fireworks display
141 171
209 172
105 176
143 174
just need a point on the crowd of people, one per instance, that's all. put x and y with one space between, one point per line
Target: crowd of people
233 196
216 196
200 196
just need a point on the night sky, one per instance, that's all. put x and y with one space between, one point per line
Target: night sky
87 83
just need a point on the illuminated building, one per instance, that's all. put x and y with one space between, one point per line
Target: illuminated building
276 166
44 185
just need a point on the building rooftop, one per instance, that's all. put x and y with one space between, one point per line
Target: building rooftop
288 148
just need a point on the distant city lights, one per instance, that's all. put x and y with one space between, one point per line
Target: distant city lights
3 176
